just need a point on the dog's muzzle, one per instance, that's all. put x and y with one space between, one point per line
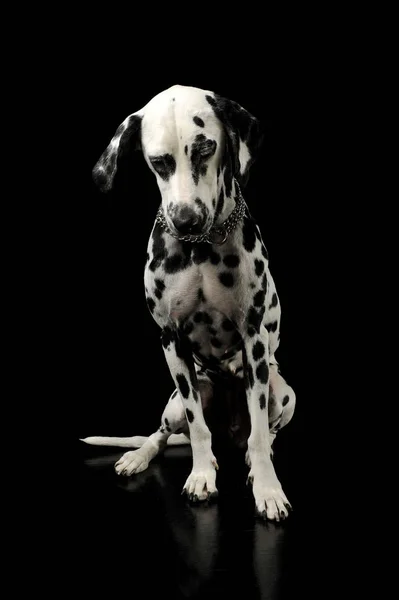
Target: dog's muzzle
186 220
217 234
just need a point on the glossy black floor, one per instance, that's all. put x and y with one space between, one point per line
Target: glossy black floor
140 533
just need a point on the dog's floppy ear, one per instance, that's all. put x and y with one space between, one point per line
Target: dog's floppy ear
127 135
244 132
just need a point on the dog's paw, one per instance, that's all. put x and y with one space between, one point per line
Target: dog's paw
201 484
131 462
270 501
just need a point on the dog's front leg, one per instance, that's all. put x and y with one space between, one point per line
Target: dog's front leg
201 483
270 499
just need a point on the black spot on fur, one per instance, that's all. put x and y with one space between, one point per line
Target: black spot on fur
248 234
201 150
198 121
164 165
258 350
198 317
285 401
259 298
274 301
204 252
227 325
213 202
216 343
249 380
212 330
202 207
189 415
185 149
158 248
226 279
160 286
183 385
167 336
264 282
272 326
231 260
262 372
262 401
151 304
214 257
200 253
173 263
203 170
259 267
254 321
166 422
252 285
178 262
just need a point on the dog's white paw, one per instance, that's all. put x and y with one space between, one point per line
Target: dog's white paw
131 462
201 483
270 501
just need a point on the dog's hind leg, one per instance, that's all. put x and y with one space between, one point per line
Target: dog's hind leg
281 407
282 401
173 419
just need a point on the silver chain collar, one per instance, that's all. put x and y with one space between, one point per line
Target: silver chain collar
216 235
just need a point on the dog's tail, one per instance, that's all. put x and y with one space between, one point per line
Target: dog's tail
175 439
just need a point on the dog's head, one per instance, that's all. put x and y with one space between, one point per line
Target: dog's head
196 143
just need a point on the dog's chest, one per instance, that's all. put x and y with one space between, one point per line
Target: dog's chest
206 310
195 288
199 289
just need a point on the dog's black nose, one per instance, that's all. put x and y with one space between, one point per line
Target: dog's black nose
186 220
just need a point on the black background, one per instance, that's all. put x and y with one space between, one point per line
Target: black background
302 191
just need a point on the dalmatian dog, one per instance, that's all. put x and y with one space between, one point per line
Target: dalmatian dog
208 286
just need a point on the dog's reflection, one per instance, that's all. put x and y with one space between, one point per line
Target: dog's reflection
194 535
193 532
269 541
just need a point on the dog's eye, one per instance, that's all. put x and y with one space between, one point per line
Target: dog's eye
164 165
158 163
